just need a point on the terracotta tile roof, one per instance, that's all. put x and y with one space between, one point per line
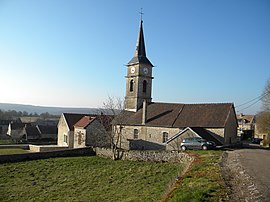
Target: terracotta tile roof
183 115
84 121
72 119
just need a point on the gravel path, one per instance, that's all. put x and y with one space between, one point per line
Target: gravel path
247 173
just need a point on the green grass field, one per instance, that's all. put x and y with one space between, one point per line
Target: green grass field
85 179
12 151
98 179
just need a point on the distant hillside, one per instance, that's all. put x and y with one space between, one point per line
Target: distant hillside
51 110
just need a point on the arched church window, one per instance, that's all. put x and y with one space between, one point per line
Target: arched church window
131 85
144 86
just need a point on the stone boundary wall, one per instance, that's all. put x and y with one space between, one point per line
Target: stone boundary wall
46 148
154 156
45 155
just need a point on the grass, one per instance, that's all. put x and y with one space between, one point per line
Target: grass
6 141
85 179
12 151
203 182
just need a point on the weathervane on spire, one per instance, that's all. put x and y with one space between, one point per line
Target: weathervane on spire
141 13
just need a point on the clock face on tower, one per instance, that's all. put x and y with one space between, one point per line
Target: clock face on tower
145 70
132 70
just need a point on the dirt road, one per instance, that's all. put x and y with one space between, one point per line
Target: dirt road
247 173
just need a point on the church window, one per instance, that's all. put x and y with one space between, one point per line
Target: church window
165 136
144 86
136 134
131 84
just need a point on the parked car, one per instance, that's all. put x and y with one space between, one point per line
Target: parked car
197 143
256 140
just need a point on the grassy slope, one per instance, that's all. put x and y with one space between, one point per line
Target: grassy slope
203 182
85 179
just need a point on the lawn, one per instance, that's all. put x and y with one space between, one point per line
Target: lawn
203 182
12 151
85 179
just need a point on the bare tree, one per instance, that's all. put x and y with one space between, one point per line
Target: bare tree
263 118
266 97
114 107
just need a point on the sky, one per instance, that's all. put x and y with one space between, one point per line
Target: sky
69 53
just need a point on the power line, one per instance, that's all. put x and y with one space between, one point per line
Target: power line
257 99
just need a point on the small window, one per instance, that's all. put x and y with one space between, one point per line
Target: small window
136 134
80 136
144 86
165 136
65 138
131 84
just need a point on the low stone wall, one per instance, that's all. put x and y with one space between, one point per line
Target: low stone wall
155 156
45 155
46 148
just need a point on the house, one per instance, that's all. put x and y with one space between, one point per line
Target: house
246 126
25 132
145 124
80 130
88 131
17 131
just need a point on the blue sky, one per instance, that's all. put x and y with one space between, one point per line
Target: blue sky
73 53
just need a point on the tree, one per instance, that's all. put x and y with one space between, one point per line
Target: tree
114 107
266 97
263 118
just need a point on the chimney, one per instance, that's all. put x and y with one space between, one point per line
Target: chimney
144 112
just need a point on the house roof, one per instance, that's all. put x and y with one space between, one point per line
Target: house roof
32 131
47 129
84 121
247 118
182 115
17 126
72 119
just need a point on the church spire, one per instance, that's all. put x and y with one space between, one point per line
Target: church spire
140 47
140 53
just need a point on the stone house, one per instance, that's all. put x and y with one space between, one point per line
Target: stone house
79 130
88 131
246 126
17 131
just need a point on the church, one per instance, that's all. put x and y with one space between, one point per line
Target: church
152 125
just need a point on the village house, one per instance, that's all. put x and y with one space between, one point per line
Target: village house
25 132
145 124
81 130
246 126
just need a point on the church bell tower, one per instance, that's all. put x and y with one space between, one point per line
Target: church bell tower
139 76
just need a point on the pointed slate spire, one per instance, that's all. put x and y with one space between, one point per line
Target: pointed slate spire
140 53
140 47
